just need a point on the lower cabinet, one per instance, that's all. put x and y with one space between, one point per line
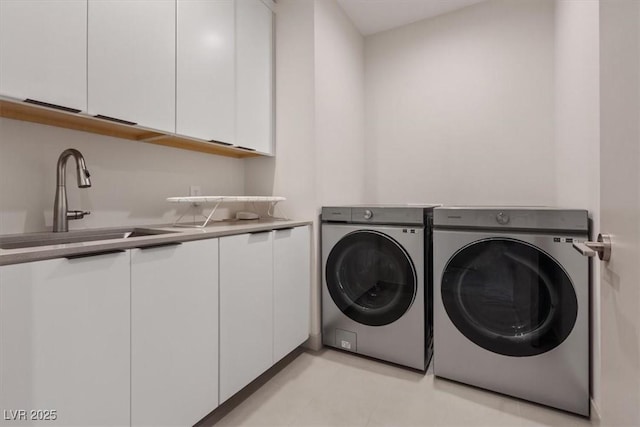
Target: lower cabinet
246 309
174 333
151 336
291 289
264 302
64 341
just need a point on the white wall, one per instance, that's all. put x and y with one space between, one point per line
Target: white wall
130 180
319 124
339 82
577 133
460 108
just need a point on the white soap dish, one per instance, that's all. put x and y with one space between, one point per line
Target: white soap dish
247 215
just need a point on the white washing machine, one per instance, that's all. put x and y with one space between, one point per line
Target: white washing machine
511 299
376 287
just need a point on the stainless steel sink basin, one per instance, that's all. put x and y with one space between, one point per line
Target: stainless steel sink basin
46 239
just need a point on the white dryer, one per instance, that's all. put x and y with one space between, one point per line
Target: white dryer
376 287
511 299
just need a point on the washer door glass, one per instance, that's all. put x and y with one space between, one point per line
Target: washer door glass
509 297
370 278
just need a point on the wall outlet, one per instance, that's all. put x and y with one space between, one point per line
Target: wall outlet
195 190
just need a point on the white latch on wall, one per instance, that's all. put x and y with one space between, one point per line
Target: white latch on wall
602 247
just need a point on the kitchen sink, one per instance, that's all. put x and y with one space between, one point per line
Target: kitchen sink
47 239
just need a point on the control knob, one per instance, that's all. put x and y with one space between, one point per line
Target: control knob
502 218
368 214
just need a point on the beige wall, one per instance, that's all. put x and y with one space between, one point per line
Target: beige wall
577 134
130 179
460 108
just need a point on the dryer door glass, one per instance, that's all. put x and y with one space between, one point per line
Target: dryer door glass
371 278
509 297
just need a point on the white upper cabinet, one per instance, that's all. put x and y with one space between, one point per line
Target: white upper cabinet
205 70
197 68
254 75
65 341
132 66
291 288
43 51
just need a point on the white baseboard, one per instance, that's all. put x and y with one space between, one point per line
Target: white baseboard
314 342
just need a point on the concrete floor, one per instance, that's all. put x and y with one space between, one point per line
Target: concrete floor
334 388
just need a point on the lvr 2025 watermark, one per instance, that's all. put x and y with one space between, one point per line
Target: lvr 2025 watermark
30 414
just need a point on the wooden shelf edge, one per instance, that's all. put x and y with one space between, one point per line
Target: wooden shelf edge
17 110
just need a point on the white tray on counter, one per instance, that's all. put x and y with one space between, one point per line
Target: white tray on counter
217 201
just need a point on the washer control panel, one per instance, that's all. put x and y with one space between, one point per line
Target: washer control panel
382 215
378 214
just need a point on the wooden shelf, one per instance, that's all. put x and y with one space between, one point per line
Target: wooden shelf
17 110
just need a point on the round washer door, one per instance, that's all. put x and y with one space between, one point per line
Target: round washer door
370 278
509 297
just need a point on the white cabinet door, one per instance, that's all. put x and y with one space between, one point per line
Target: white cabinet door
246 310
291 285
132 61
174 333
64 340
254 75
205 92
43 51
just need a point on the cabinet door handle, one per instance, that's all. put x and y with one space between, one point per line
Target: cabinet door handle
91 254
285 229
49 105
245 148
220 142
160 245
115 120
260 232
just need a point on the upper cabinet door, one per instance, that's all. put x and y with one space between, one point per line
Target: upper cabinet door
205 70
254 75
132 61
43 51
